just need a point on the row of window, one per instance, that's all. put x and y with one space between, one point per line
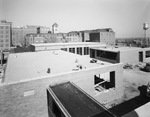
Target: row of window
6 32
2 45
2 36
4 27
78 50
73 35
7 40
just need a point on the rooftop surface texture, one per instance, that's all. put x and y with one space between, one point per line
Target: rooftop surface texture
80 104
24 66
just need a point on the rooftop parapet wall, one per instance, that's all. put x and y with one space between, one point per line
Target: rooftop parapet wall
28 98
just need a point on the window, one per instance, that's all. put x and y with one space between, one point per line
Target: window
79 50
86 50
72 50
7 36
147 54
107 55
7 45
1 36
7 27
1 45
1 32
7 32
1 27
65 49
7 40
104 81
1 40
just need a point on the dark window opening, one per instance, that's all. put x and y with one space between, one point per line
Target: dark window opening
79 50
108 55
92 53
140 56
56 110
147 54
104 81
86 50
72 50
65 49
94 37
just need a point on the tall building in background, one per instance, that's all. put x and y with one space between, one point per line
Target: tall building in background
5 35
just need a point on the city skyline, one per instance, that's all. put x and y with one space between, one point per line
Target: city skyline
126 18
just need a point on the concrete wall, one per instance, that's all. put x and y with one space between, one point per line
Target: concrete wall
144 55
131 57
29 99
108 37
58 47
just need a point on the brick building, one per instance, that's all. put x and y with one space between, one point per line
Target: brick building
34 38
19 33
106 35
5 35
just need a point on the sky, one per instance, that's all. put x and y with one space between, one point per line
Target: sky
125 17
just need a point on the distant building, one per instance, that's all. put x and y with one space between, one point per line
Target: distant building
5 35
99 35
74 36
19 33
34 38
61 37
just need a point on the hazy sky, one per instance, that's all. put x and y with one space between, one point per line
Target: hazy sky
126 17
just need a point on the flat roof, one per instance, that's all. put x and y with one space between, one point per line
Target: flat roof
78 103
113 49
30 65
61 44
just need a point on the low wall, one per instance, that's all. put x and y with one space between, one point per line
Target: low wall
29 99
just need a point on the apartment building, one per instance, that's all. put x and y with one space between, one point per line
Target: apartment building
5 35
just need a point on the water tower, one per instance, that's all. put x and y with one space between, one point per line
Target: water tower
145 27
